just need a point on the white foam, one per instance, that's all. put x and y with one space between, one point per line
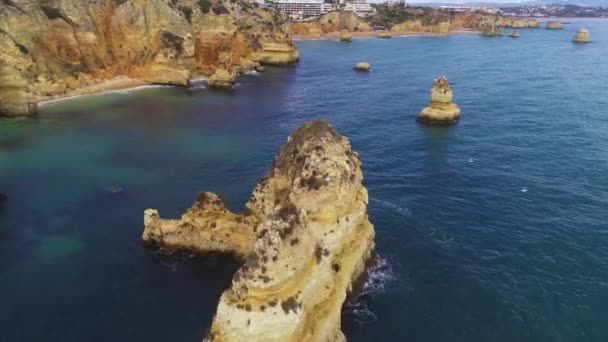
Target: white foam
377 277
390 205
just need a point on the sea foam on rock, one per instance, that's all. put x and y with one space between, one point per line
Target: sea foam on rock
441 110
304 242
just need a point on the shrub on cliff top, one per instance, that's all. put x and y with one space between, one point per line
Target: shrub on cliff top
205 5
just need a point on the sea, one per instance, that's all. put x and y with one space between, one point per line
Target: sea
493 229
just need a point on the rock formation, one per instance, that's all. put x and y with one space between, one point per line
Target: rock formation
57 48
304 241
418 20
514 34
554 25
222 79
332 22
492 29
385 35
441 110
346 36
362 66
582 36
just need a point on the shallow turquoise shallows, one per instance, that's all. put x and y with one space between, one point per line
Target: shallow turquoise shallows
495 229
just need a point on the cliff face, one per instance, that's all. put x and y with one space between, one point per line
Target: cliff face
417 20
53 48
332 22
304 241
446 23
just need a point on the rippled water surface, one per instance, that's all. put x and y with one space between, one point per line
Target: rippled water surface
495 229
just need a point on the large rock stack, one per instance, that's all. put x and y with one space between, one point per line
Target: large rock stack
582 36
305 240
441 110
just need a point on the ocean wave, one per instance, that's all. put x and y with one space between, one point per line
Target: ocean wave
390 205
378 275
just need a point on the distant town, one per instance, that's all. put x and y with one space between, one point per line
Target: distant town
304 10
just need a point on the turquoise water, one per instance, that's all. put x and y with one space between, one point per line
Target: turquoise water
495 229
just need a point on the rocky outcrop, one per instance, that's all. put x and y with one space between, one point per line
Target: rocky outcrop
582 36
346 36
362 66
419 20
332 22
385 35
491 29
304 241
441 110
444 22
514 34
222 79
554 25
53 48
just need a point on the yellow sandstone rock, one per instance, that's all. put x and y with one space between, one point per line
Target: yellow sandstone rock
582 36
514 34
346 36
385 35
305 240
554 25
362 66
441 110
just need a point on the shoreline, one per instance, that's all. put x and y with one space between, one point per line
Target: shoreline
373 34
116 85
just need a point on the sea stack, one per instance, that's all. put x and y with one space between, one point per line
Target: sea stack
385 35
346 36
362 66
492 30
582 36
554 25
514 34
222 78
441 110
305 240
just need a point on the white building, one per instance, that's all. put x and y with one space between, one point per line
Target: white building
361 7
302 8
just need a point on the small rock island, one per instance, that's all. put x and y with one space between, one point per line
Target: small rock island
362 66
582 36
441 110
554 25
514 34
305 241
346 36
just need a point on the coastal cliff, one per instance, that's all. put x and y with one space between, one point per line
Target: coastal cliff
410 19
336 21
304 243
58 48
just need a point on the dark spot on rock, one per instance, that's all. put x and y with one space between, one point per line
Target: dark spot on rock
294 241
290 304
273 303
335 267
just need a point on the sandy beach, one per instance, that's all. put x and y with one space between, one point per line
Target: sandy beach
118 84
336 35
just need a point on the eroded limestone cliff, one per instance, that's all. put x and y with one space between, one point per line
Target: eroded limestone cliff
332 22
409 20
54 48
304 242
